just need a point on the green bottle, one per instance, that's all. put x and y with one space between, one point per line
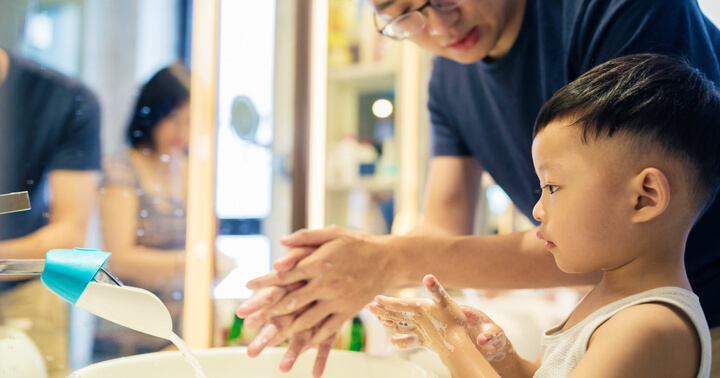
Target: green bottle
235 331
357 335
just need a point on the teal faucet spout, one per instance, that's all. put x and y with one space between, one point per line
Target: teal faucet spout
68 272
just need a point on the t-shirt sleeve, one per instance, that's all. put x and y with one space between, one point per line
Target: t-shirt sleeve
609 29
446 139
79 143
118 171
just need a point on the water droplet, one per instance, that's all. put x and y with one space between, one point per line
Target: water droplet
146 110
156 200
46 215
78 98
137 133
140 192
31 182
49 358
177 295
146 151
179 212
126 193
165 158
79 112
143 213
140 232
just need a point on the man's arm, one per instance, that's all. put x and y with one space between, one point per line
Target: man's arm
452 193
73 195
348 268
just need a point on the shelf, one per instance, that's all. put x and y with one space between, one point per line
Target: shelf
369 183
361 72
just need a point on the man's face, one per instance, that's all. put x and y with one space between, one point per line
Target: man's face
471 32
586 205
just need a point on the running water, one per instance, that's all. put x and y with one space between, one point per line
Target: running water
188 355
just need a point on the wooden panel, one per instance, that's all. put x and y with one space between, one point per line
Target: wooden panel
197 322
301 155
318 112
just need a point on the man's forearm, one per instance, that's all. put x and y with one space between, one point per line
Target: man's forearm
34 246
513 261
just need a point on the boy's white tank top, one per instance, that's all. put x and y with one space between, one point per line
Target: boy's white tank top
561 352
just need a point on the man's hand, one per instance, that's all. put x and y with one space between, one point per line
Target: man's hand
324 280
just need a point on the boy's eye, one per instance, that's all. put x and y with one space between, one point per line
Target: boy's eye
551 188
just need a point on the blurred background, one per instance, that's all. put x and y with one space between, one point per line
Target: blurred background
273 98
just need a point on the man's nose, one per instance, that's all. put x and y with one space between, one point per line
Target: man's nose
439 22
538 212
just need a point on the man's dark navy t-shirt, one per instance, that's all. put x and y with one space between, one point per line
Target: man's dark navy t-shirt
488 109
48 122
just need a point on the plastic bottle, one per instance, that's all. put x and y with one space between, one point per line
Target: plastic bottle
235 332
357 335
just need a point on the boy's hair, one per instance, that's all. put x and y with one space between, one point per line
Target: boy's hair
659 102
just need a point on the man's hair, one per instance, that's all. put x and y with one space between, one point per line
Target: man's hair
661 103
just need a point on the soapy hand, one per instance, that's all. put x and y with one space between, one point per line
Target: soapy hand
272 333
431 323
323 281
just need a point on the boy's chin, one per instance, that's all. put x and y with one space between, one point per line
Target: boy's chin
570 268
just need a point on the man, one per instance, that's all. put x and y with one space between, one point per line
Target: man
499 61
50 147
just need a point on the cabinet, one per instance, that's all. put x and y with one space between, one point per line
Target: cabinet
373 132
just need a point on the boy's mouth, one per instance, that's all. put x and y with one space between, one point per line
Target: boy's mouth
548 243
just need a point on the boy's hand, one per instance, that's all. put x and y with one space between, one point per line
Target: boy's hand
432 323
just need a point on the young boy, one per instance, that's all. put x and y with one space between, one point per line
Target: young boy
628 159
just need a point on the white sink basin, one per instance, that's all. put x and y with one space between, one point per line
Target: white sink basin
234 362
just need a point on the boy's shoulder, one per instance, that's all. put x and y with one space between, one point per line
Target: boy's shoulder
651 339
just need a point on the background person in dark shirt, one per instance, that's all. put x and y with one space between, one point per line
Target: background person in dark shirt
49 146
498 63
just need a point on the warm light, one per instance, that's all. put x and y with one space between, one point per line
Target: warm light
382 108
497 199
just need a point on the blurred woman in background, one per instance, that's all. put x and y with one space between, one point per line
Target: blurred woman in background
142 207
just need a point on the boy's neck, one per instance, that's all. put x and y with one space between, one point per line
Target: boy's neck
659 266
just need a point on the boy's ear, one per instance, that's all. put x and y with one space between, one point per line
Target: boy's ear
652 192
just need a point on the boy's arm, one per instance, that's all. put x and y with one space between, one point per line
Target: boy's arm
468 342
647 340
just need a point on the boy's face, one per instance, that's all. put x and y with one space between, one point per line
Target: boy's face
473 31
586 202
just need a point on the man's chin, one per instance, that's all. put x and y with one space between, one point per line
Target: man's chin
469 57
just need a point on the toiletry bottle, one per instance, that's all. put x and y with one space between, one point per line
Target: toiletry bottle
357 335
233 337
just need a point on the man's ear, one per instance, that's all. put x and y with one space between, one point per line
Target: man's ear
652 192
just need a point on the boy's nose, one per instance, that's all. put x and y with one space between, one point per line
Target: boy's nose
439 22
538 212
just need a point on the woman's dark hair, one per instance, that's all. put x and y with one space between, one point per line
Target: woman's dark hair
661 103
168 89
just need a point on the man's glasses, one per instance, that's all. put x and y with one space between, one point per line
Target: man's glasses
411 23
